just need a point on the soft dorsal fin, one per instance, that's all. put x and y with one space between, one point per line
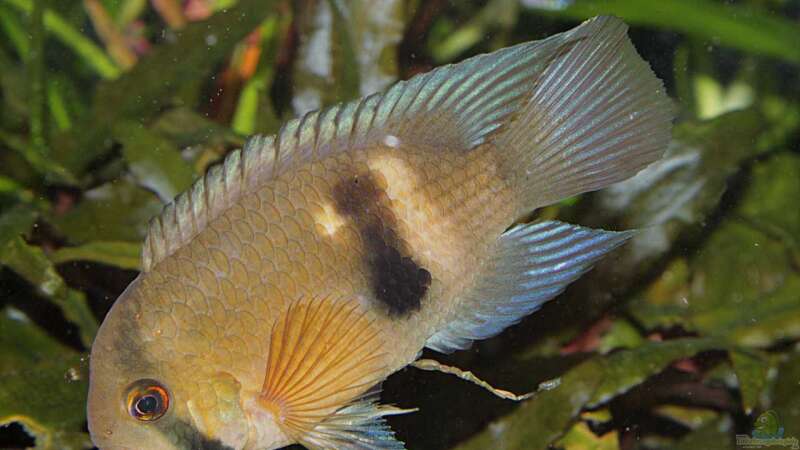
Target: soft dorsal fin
325 359
454 106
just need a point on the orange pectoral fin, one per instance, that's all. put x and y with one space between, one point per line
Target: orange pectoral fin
323 356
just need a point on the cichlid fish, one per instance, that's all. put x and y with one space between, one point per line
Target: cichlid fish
283 287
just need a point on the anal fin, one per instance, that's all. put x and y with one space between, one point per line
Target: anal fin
361 425
532 264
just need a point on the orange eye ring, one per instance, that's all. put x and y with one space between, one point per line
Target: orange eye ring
147 400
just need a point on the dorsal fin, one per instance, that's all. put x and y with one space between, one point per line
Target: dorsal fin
454 106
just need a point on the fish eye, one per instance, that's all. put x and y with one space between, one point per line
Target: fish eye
147 400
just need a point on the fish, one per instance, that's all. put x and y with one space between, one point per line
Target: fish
280 290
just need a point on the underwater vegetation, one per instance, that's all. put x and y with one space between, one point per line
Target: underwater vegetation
687 337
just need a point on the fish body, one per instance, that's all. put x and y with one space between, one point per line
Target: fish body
283 287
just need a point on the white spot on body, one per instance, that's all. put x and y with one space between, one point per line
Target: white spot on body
391 141
330 220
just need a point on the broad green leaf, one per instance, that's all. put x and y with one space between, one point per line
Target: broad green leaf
116 211
786 395
15 222
538 422
580 437
30 263
758 306
154 161
752 369
622 334
43 384
713 435
46 167
185 128
125 255
9 185
626 369
690 417
746 28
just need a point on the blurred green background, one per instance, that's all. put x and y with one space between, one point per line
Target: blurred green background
680 340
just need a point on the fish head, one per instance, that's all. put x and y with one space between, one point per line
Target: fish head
147 391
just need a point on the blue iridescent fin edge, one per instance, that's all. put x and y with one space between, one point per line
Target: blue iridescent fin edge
361 425
533 263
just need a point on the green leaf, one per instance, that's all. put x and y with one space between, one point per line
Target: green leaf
752 369
741 27
786 395
629 368
196 50
116 211
30 263
15 30
185 128
154 161
758 306
15 222
580 437
43 384
544 418
90 53
622 334
125 255
713 435
496 14
690 417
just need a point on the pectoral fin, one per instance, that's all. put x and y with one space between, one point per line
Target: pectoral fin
325 359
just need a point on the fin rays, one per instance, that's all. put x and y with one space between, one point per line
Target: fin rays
322 355
532 264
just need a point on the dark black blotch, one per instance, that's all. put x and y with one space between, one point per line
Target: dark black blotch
195 439
397 281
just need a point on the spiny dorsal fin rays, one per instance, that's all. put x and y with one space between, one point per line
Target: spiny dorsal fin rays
192 210
456 107
324 354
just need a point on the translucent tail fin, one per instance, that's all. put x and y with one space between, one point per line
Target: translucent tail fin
597 115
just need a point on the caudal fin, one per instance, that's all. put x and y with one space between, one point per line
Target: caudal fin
597 114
